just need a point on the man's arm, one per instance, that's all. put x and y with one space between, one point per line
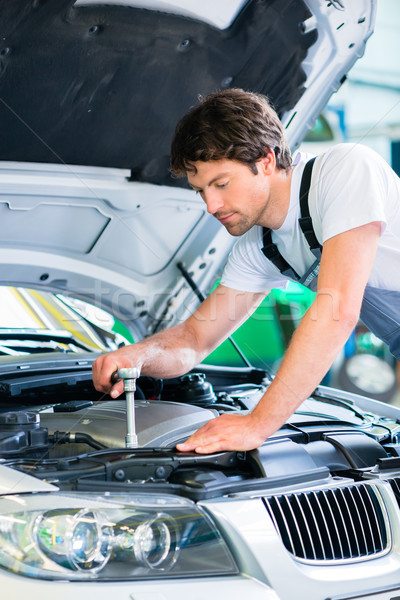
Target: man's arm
346 263
175 351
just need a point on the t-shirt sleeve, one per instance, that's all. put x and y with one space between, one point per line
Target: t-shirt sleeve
247 268
350 190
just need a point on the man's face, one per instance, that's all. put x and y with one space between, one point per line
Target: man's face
234 195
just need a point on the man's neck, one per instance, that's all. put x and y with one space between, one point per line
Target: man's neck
279 198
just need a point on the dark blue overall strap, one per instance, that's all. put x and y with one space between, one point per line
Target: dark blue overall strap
305 220
270 250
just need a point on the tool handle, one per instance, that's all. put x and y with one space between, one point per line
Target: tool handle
114 377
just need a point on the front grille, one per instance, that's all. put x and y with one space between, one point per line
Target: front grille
333 524
395 485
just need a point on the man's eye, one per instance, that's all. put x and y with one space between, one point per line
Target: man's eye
222 185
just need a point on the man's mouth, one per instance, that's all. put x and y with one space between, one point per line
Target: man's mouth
224 218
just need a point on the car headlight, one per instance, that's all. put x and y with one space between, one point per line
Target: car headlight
80 537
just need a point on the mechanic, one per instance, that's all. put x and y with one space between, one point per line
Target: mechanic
232 149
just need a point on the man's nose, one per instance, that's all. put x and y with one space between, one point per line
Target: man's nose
213 201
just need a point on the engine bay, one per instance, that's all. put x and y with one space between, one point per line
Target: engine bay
78 444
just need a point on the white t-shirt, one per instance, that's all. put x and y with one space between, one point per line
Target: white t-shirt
351 185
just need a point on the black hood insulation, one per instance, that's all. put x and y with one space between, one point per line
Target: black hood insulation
105 85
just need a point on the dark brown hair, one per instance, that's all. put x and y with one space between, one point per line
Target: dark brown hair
231 124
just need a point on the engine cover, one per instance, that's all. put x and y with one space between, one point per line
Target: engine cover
159 424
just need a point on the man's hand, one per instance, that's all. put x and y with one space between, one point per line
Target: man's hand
227 432
104 366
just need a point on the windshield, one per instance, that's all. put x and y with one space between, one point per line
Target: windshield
33 321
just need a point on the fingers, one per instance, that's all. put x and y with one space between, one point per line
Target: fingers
227 432
201 447
196 440
103 368
117 385
214 436
206 444
117 389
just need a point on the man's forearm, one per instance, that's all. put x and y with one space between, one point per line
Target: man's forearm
175 351
311 353
169 353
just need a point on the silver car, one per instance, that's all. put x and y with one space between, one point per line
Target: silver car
90 92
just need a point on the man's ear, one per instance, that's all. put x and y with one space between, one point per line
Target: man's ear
268 162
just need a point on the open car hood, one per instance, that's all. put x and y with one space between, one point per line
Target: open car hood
90 93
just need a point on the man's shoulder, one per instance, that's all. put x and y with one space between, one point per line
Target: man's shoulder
347 153
336 159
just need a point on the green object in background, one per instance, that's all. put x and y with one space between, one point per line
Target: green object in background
264 337
120 328
290 306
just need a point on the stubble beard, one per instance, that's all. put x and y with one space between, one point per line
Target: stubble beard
247 222
239 228
243 225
